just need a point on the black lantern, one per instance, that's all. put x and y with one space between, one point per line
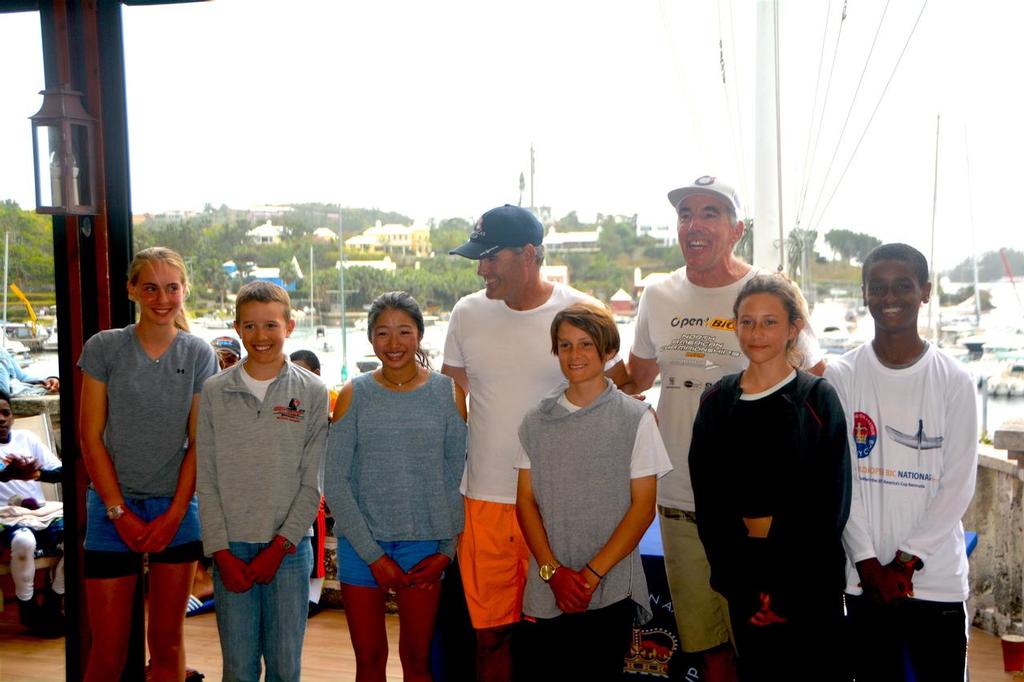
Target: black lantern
63 140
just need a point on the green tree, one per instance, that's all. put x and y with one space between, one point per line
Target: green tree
449 234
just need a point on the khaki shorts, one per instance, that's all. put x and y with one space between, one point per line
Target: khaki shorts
493 557
702 615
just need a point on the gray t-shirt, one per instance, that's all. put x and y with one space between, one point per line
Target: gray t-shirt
148 405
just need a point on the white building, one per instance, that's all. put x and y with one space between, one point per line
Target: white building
325 234
566 242
665 235
385 264
391 239
267 233
559 274
641 283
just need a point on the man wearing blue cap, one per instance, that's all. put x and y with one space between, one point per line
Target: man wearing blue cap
686 332
499 351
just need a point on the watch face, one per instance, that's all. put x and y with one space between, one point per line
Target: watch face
546 572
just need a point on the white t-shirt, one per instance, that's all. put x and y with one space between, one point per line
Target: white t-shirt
690 331
914 447
258 387
649 457
507 356
26 444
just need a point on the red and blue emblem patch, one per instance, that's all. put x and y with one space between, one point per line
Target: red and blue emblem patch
865 434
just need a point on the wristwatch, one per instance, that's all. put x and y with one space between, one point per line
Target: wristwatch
909 561
547 571
116 511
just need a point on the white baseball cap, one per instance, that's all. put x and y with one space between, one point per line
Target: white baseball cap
707 184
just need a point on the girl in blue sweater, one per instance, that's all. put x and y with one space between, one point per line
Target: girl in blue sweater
395 455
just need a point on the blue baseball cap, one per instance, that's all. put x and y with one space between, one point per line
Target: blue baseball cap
500 228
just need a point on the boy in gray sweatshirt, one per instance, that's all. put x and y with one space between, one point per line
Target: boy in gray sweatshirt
260 442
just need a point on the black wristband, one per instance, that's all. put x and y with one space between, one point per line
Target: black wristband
591 569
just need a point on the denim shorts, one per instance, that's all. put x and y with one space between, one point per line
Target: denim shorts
407 553
102 536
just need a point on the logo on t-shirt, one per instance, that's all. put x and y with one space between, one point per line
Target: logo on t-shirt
722 324
865 434
292 412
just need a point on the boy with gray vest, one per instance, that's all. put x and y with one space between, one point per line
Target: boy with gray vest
588 464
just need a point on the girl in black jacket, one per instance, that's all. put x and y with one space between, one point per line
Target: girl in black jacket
770 466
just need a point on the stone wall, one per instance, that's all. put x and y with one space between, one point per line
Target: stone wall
997 563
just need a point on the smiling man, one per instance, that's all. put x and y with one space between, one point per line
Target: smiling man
685 331
498 349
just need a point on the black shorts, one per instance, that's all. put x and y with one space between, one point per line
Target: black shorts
100 564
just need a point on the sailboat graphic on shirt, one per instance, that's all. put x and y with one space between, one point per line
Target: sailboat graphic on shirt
918 441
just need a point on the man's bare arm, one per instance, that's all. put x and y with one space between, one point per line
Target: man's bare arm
459 375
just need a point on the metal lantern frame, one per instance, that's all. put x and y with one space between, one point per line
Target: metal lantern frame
70 134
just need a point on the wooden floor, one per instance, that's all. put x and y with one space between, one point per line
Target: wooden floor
327 654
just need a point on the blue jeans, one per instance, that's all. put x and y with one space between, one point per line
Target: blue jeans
266 621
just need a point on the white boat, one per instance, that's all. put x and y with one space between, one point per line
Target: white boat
1009 383
19 352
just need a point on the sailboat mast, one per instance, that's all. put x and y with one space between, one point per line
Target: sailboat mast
341 295
974 250
933 322
3 332
768 223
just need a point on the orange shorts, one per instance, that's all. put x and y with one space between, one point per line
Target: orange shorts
492 560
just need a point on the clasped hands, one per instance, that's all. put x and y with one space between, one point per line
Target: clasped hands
885 584
18 468
425 575
572 589
147 537
239 576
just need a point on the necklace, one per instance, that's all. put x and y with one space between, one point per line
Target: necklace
400 384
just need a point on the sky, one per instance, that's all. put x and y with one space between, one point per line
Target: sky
430 108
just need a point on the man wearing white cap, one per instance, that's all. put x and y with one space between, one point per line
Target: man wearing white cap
686 332
498 349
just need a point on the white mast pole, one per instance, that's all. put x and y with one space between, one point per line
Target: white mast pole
933 321
767 189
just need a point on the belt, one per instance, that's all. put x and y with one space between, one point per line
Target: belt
673 513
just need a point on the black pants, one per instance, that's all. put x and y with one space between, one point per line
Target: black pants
929 636
808 647
577 646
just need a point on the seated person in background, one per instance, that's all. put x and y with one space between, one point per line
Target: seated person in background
14 381
24 526
228 350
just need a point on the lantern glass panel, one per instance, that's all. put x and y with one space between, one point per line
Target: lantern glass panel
81 178
51 192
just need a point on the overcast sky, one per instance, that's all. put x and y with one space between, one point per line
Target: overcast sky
430 108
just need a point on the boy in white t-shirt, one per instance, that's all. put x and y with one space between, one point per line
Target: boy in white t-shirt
913 428
29 521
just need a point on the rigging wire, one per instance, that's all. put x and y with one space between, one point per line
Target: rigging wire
778 138
849 112
874 111
736 140
739 110
810 155
685 92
